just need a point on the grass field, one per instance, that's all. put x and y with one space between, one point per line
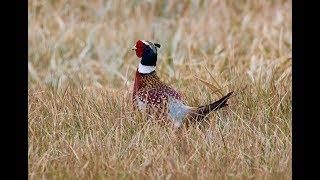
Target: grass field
80 122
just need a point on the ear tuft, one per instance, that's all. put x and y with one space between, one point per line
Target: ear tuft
157 45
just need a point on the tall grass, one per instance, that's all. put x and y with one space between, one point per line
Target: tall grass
81 74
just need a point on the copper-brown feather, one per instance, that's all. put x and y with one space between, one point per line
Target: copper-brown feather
149 89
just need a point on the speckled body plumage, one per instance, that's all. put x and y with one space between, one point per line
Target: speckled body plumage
151 94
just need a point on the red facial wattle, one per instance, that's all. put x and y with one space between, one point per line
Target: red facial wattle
139 48
139 52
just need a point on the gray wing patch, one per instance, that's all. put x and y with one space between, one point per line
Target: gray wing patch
177 111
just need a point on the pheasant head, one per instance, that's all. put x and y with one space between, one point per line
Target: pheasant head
146 51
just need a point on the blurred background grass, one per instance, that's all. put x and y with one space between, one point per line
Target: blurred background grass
91 38
78 44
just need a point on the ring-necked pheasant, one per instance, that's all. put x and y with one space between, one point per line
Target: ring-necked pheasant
159 100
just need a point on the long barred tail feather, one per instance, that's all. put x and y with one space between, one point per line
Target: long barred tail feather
200 112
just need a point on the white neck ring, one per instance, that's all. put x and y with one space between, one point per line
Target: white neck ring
145 69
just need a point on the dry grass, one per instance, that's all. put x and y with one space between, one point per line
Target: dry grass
81 75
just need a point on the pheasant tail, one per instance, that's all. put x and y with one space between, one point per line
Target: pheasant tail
201 111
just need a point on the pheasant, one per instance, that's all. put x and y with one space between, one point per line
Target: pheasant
159 100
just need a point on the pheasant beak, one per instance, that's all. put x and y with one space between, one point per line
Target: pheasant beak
134 47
